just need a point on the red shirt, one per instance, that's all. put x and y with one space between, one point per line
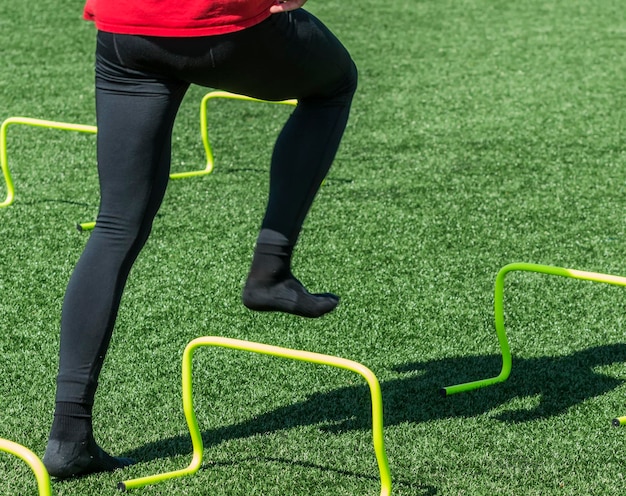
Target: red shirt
176 17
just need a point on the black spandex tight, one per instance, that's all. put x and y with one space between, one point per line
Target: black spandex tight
140 83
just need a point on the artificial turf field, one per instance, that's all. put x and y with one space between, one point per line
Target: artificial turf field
484 132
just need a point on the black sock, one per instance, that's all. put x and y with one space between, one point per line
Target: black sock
72 422
271 287
271 263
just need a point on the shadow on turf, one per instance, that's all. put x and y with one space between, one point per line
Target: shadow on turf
398 483
558 382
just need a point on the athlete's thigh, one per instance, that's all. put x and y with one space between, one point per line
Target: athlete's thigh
289 55
135 114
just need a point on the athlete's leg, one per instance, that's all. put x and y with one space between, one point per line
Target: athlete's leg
290 55
317 70
135 115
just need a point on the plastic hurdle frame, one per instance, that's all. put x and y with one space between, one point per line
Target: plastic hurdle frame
66 126
27 121
36 465
264 349
499 319
204 125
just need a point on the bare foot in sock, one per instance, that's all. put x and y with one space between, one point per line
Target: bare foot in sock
65 459
289 296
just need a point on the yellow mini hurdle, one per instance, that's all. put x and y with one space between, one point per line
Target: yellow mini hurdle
305 356
499 319
81 128
36 465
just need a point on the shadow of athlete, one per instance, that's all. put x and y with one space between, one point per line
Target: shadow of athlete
559 382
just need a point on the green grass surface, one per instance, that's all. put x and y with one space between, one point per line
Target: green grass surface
484 132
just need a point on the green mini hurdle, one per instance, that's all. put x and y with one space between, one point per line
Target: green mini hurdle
499 319
36 465
264 349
